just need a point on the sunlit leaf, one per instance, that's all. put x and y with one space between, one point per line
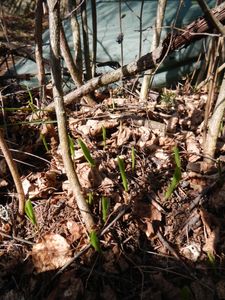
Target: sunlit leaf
30 212
105 208
71 146
44 142
104 136
177 174
94 240
211 258
90 198
122 173
86 153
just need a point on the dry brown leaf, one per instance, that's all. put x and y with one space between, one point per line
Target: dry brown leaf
52 253
193 147
212 231
84 173
172 123
149 214
145 136
40 184
123 136
75 230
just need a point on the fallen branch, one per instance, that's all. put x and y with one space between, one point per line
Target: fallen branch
191 33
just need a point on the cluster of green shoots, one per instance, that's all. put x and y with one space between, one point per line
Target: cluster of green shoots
105 202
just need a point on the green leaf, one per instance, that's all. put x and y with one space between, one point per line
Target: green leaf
44 142
94 240
31 101
105 208
122 173
30 212
212 259
132 158
103 136
90 198
71 145
177 174
86 153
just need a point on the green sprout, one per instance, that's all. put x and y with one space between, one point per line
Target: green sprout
105 208
212 260
86 153
30 212
122 173
133 160
31 101
103 136
44 142
71 146
90 199
168 98
94 240
177 174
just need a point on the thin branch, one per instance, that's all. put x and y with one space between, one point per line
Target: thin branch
14 172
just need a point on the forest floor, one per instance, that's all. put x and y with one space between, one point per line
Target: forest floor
157 242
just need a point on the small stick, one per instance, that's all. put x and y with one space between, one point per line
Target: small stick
14 172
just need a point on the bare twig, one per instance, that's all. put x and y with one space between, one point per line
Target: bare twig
14 172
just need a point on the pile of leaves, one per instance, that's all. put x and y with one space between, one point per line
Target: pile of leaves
159 216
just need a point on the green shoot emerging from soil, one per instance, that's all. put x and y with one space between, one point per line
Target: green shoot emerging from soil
94 240
71 145
177 174
90 198
122 173
103 136
105 208
86 153
30 212
133 158
44 142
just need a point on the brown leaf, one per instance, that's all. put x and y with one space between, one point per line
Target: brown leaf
75 230
193 146
212 231
123 135
149 213
52 253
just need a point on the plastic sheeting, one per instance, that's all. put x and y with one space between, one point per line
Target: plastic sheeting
176 65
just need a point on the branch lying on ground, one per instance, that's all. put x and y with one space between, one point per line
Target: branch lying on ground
191 33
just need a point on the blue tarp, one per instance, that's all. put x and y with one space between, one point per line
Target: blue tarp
179 63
